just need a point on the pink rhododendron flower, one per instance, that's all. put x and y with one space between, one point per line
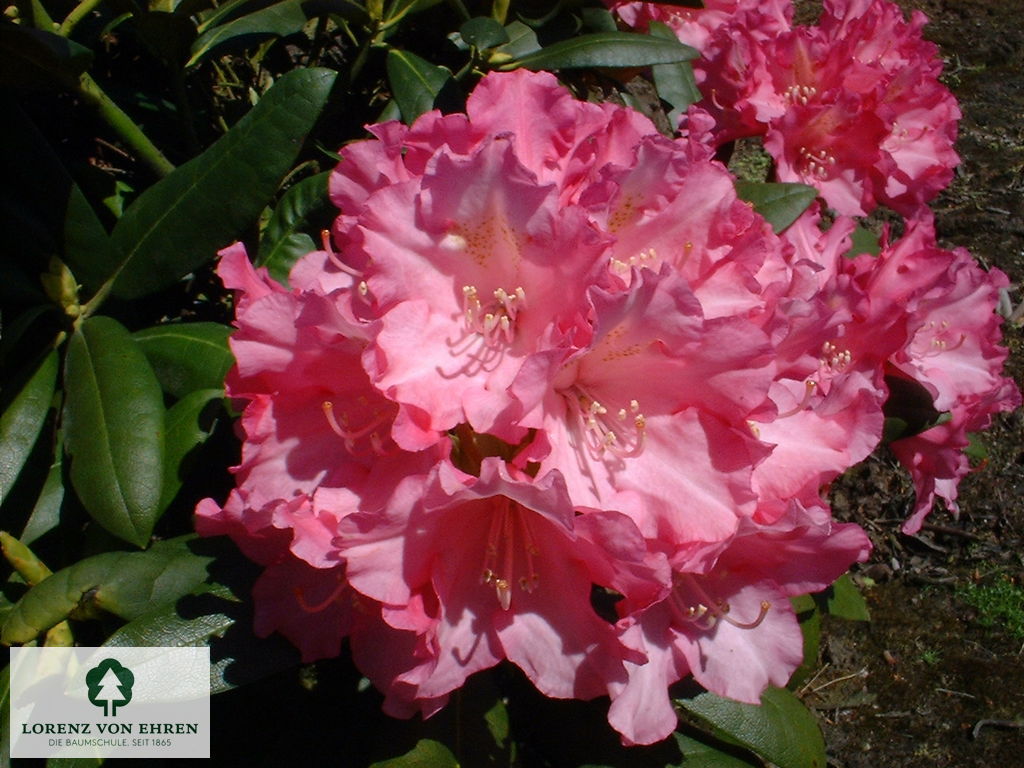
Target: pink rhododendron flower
732 626
694 26
852 106
546 353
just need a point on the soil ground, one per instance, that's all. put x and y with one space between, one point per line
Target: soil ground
926 682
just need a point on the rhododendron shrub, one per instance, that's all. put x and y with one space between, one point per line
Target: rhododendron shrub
552 393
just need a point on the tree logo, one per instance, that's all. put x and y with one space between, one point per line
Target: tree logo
110 685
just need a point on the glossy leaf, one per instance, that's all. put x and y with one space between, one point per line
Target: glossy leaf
284 242
844 600
606 49
522 41
483 32
426 754
278 20
781 203
45 515
415 83
23 419
701 755
126 584
675 82
217 615
781 730
114 429
187 357
179 223
190 422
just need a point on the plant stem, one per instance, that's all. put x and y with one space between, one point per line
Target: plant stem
125 127
91 93
78 13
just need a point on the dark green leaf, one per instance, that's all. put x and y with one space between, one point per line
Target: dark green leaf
809 616
179 223
114 429
126 584
278 20
74 762
426 754
168 36
217 613
598 20
23 419
675 82
5 717
190 422
844 600
521 41
780 203
87 246
187 356
45 515
701 755
909 409
283 241
781 730
483 32
50 215
606 49
214 615
35 58
415 83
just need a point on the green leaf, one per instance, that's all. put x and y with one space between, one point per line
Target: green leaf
483 32
522 41
844 600
415 83
780 203
179 223
701 755
675 82
278 20
190 422
909 409
50 215
606 49
187 357
114 429
863 241
975 450
781 730
219 616
5 717
598 20
126 584
45 515
23 420
35 58
809 616
283 243
426 754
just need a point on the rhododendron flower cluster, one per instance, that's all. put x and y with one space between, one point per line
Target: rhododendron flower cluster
852 105
552 393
